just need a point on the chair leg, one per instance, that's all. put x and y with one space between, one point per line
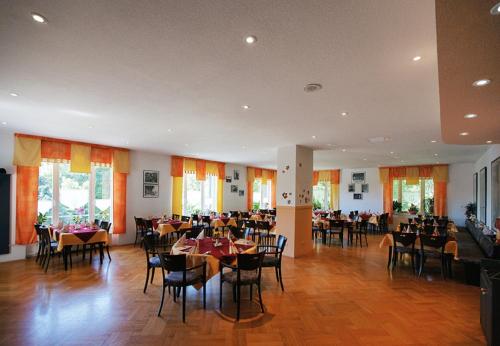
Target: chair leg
234 293
162 298
220 295
107 250
184 304
260 298
421 265
146 283
237 302
48 261
277 275
281 279
251 291
389 257
204 294
152 274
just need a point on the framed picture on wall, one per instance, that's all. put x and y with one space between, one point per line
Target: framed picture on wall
364 188
358 177
241 193
151 177
474 188
351 187
234 188
228 179
236 175
483 190
151 191
357 196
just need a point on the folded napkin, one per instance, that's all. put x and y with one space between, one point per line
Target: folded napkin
65 228
201 235
182 240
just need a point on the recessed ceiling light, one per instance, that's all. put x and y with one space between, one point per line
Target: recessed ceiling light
127 142
329 144
392 152
91 127
464 133
495 10
489 142
364 159
433 141
245 107
169 130
243 147
14 94
435 154
417 58
403 161
481 82
186 145
437 161
344 150
313 137
4 123
250 39
344 114
38 18
312 87
470 116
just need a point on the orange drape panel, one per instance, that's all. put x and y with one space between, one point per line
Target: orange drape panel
221 166
273 193
315 178
258 172
119 202
26 204
388 197
249 195
177 168
425 171
101 155
440 199
56 150
201 170
397 172
335 176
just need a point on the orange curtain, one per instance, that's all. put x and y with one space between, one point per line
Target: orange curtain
201 170
388 197
26 204
335 176
101 155
249 195
273 190
258 172
177 168
440 198
56 150
221 166
315 178
425 171
119 202
397 172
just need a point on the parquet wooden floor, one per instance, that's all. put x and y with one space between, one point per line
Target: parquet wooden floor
333 297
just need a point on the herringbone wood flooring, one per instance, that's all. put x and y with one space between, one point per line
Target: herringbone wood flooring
333 297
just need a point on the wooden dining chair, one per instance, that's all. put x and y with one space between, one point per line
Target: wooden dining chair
403 243
336 227
177 275
105 225
151 249
247 272
273 255
432 247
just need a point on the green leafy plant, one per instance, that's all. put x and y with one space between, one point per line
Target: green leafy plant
256 206
397 207
316 204
413 209
41 218
429 206
470 209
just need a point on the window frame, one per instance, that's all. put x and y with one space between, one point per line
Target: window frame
210 179
422 193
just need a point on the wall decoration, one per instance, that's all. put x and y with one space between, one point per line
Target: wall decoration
151 177
234 188
364 188
358 177
151 191
229 179
475 189
483 193
241 193
351 188
236 175
357 196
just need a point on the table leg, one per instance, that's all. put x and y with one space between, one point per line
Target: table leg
65 257
101 252
389 256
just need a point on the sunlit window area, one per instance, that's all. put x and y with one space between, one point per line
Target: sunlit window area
199 196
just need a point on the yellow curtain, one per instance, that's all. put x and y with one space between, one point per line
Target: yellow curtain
334 198
120 161
440 173
273 190
26 204
412 175
27 151
80 158
177 195
189 165
383 174
220 195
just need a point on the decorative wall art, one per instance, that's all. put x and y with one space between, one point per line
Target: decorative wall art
241 193
229 179
364 188
358 177
351 188
236 174
357 196
151 186
234 188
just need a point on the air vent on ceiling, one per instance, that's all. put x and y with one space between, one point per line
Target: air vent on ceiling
379 139
312 87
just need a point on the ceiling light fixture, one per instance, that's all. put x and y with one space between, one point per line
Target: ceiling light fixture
4 123
312 87
245 107
14 94
433 141
364 159
417 58
470 116
489 142
250 39
313 137
38 18
344 150
435 154
344 114
392 152
464 133
481 82
495 10
91 127
186 145
169 130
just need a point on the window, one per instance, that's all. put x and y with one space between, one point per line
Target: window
420 195
74 197
261 194
199 196
321 195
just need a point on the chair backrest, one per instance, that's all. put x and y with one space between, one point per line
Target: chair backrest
414 227
176 216
206 219
281 243
263 211
45 235
97 222
105 225
403 226
336 224
323 215
428 229
194 217
250 261
151 243
245 215
185 218
173 263
263 225
272 212
139 224
234 213
37 229
434 241
250 224
224 215
406 239
442 230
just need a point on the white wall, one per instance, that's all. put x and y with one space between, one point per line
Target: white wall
459 190
232 200
371 201
139 206
490 155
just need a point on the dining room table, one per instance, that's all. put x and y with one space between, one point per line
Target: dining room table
73 235
212 250
170 226
223 222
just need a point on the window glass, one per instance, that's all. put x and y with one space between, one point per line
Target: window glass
410 194
210 193
102 207
429 195
45 191
321 195
199 196
256 194
395 190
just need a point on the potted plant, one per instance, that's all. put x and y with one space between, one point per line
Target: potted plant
470 209
41 218
413 209
316 204
397 207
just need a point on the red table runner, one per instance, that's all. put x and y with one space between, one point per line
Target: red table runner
84 234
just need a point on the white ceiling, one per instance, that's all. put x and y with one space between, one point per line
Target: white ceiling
132 70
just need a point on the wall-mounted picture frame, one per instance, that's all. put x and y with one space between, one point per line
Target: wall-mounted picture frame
241 193
229 179
351 187
234 188
358 177
151 191
236 174
475 188
483 193
364 188
357 196
151 177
